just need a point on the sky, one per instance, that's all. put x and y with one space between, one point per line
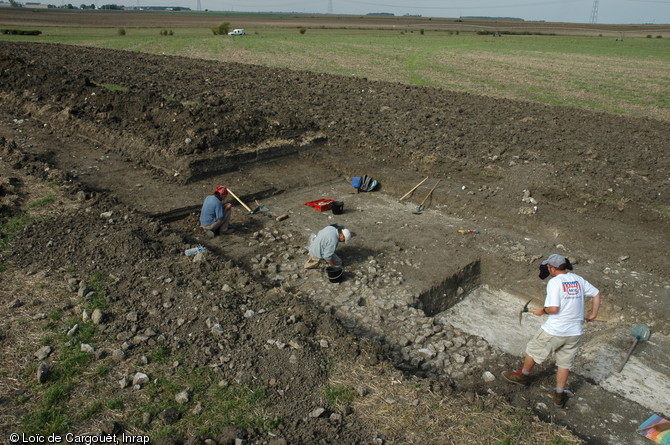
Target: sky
573 11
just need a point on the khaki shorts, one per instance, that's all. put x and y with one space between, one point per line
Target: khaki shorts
313 263
564 348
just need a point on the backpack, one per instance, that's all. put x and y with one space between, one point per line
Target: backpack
367 184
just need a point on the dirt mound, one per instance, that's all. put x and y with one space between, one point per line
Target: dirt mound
169 111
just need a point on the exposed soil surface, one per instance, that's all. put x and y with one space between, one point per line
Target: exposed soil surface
138 141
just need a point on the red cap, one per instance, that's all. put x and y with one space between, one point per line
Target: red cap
221 190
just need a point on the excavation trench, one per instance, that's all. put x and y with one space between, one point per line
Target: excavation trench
452 290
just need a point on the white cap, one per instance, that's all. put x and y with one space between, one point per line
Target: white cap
347 235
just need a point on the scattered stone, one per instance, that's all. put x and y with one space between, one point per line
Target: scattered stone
43 352
198 409
73 330
427 353
527 198
459 358
124 382
183 397
146 418
15 304
42 373
85 315
170 416
98 316
140 378
317 413
488 377
227 436
363 391
323 343
73 284
87 348
118 355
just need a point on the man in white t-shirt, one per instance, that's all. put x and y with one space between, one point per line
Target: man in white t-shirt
561 333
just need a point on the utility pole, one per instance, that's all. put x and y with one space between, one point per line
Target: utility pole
594 12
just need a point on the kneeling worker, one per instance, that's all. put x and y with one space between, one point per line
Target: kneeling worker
215 215
322 246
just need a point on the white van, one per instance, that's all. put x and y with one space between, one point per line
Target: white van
236 32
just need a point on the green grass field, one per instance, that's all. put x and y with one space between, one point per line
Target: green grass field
630 77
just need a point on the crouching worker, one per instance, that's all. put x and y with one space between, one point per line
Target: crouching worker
322 246
215 215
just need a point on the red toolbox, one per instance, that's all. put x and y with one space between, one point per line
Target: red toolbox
321 205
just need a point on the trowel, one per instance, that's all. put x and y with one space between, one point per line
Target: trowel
524 310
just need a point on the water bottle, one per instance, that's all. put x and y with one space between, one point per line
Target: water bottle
192 251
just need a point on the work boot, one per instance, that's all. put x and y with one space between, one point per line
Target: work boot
559 399
312 263
517 377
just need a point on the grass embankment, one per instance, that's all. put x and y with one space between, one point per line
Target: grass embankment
626 77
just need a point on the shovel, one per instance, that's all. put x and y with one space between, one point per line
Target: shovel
419 210
240 201
640 332
413 188
259 207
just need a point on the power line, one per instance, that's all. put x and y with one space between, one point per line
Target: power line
594 12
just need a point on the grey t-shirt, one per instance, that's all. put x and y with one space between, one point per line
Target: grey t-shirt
325 243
